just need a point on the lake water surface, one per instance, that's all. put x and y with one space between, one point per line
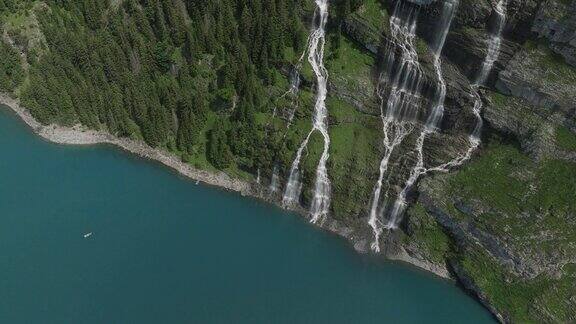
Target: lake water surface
165 250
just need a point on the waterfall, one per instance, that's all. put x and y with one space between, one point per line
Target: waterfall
294 89
403 77
274 182
292 92
321 200
494 43
293 189
493 54
293 186
436 113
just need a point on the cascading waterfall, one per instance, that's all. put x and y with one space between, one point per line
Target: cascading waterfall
403 76
293 189
436 113
494 45
274 182
294 89
402 82
493 54
293 186
292 92
321 200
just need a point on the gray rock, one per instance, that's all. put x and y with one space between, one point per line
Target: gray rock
535 76
363 33
556 22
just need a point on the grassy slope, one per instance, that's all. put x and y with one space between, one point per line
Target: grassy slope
539 300
540 189
427 235
355 135
529 206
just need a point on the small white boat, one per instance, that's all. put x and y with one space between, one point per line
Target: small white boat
197 182
87 235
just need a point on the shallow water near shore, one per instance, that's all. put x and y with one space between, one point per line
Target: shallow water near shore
166 250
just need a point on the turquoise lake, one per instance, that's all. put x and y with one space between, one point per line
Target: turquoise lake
165 250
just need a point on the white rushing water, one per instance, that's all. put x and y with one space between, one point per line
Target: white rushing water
403 76
436 113
274 182
320 205
494 45
293 186
294 90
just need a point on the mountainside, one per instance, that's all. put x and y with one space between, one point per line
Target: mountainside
451 125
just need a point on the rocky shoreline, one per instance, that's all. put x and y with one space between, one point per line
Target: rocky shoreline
80 135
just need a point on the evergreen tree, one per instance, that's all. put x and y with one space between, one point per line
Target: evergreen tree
156 70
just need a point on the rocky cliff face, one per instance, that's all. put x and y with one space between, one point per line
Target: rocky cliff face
510 211
555 22
505 222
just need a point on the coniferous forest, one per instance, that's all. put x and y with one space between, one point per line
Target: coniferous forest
480 171
191 76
